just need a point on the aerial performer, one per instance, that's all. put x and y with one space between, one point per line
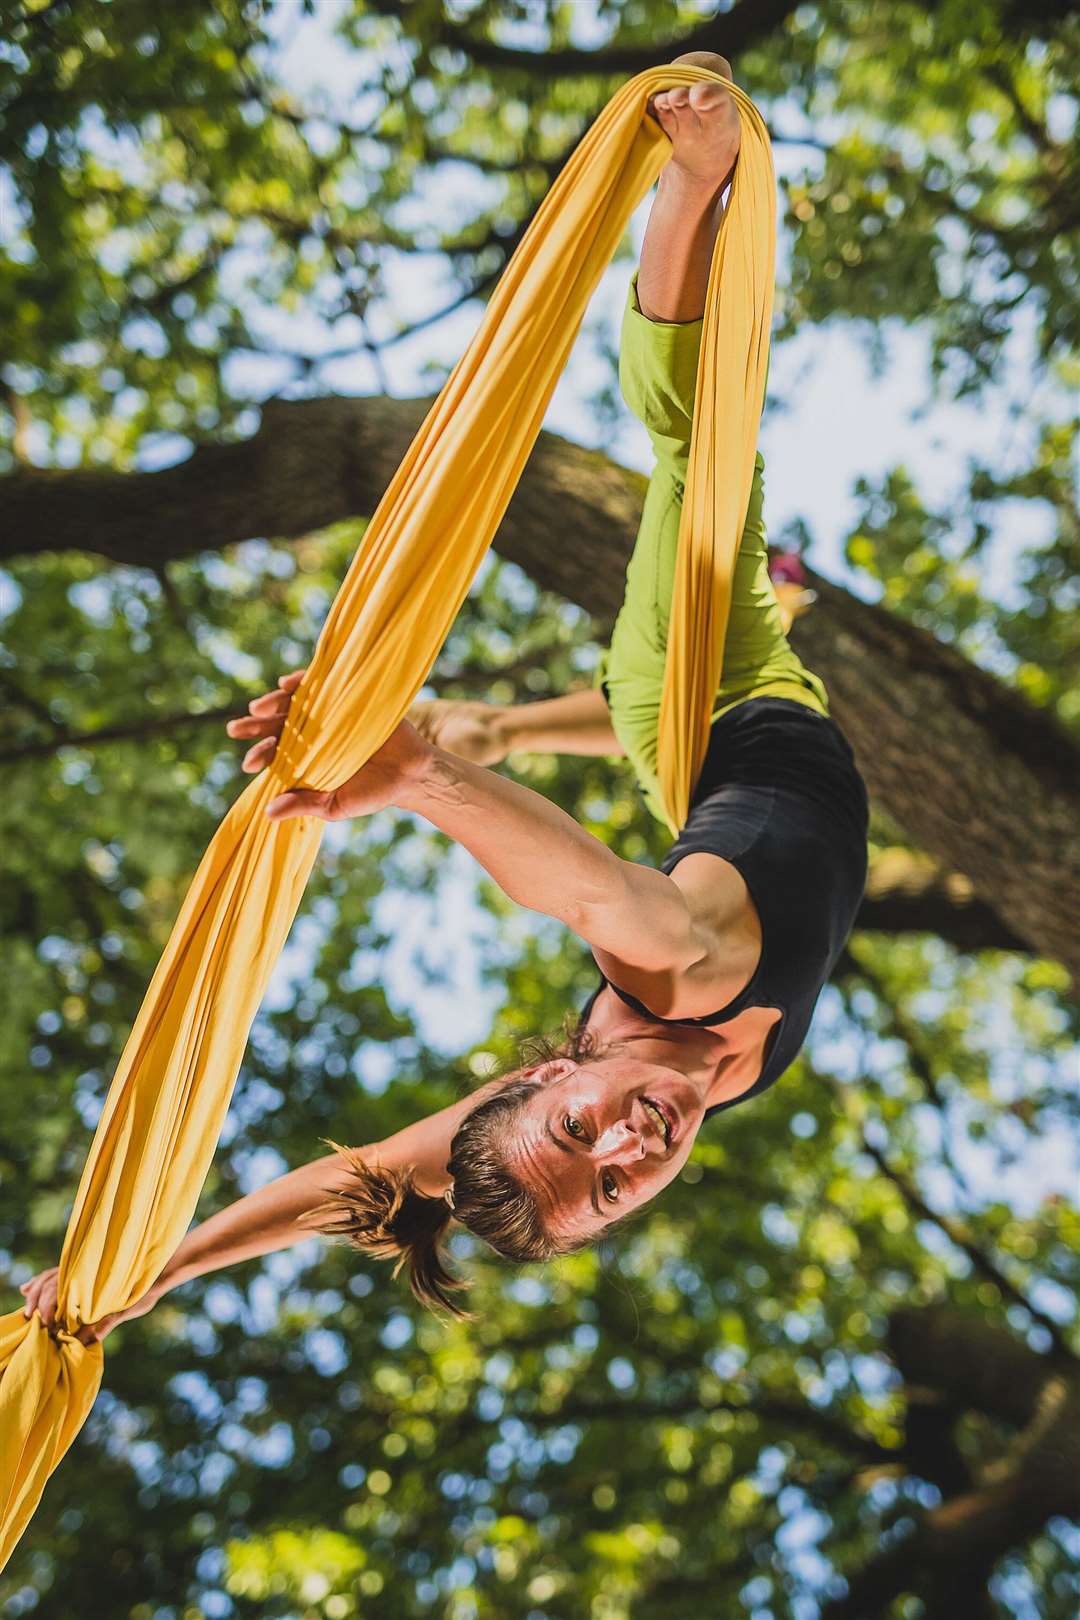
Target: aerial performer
709 967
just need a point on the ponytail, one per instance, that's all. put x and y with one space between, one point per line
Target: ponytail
380 1212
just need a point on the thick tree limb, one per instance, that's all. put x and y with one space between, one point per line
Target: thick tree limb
951 1551
984 782
908 893
731 33
983 1263
989 786
973 1363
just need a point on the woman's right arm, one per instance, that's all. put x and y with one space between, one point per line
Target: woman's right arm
259 1223
269 1218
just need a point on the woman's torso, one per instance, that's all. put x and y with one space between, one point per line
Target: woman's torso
780 801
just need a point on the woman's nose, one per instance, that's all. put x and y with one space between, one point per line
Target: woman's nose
620 1141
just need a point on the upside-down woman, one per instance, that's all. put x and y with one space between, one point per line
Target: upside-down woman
710 966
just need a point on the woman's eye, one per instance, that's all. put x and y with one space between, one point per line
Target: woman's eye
610 1186
573 1126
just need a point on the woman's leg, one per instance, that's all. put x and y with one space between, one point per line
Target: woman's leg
658 371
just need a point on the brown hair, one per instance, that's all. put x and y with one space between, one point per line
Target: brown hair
382 1213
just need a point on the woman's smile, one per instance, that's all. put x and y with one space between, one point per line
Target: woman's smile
663 1115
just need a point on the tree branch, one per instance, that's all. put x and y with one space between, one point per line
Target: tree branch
958 1233
157 725
949 1553
730 33
908 893
126 731
971 1362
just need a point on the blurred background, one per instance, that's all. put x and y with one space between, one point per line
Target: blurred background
835 1371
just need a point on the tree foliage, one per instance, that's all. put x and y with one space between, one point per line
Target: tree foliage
849 1328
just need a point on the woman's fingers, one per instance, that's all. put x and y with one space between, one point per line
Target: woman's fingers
260 756
664 117
265 718
690 101
40 1293
707 97
248 725
30 1290
271 706
94 1332
301 802
674 112
266 713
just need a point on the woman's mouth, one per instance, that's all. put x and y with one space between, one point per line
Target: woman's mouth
663 1117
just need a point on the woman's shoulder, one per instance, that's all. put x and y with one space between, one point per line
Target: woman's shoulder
728 948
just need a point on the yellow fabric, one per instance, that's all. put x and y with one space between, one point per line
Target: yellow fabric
165 1109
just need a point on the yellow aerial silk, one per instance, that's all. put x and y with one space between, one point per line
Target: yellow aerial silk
165 1109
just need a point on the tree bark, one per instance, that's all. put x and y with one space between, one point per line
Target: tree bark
908 893
974 774
985 783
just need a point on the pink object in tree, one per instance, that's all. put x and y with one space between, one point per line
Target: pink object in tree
786 568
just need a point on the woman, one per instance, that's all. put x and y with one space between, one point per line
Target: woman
709 967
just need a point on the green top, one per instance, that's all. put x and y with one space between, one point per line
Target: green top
658 373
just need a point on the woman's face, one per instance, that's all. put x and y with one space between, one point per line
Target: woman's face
599 1139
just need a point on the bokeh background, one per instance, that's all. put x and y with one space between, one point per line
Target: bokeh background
835 1371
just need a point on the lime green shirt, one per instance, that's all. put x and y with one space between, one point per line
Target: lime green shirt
658 373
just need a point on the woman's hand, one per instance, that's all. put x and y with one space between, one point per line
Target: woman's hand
40 1295
265 720
401 763
473 731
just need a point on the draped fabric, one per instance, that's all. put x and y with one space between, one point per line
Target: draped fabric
164 1111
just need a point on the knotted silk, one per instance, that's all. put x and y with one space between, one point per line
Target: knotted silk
164 1111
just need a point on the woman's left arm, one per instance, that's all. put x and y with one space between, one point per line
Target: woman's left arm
542 859
537 854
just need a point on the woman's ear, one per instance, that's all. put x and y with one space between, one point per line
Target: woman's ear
550 1069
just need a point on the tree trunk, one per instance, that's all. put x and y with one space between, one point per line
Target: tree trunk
967 1363
985 783
972 772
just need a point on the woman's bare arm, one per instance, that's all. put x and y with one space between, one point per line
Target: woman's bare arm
269 1218
541 858
577 723
484 733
